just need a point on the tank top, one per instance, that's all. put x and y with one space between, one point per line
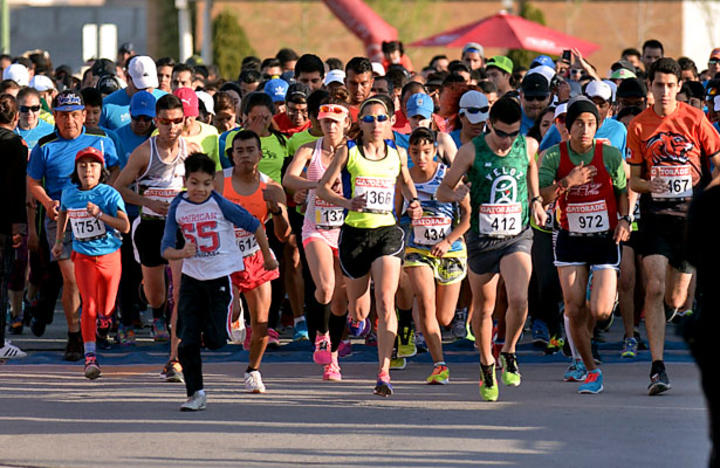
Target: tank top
162 180
254 204
588 209
376 180
438 218
498 194
319 213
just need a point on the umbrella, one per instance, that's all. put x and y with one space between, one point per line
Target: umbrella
508 31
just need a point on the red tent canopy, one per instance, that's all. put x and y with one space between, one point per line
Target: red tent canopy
359 18
509 32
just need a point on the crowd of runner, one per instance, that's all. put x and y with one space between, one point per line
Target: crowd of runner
363 200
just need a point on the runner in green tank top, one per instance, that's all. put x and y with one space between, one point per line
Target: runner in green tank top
502 177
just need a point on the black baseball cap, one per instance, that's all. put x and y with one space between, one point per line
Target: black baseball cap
535 85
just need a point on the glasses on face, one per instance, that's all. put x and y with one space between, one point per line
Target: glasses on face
26 109
177 121
535 98
502 134
141 118
713 61
373 118
475 110
291 110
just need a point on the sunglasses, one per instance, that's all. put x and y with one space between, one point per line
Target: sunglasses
502 134
373 118
141 118
475 110
177 121
325 109
26 109
535 98
713 61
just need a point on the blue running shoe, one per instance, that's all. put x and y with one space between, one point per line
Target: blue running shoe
301 331
593 383
576 372
358 329
540 334
383 387
630 348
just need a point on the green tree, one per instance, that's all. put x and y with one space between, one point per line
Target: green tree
521 57
230 44
168 44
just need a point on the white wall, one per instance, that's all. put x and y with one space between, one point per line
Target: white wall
701 30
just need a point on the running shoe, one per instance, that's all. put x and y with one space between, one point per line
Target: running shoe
510 373
397 363
74 348
659 383
322 354
371 338
102 339
125 335
345 348
446 335
540 333
593 383
331 372
420 343
406 342
358 329
576 372
172 372
681 316
630 348
253 382
10 351
16 326
159 330
488 383
92 368
197 402
383 387
273 338
238 331
440 375
555 344
457 326
468 329
670 312
301 331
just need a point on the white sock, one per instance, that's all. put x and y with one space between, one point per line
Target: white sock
573 350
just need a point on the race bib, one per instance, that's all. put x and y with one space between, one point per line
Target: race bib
161 194
677 178
84 226
588 218
246 242
431 230
379 193
327 215
500 220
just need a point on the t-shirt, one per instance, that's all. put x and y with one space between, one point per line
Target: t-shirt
32 136
91 236
526 124
299 139
274 154
680 143
210 225
285 125
611 132
611 158
116 108
224 158
128 142
208 139
53 158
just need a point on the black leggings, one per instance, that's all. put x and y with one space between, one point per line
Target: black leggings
545 292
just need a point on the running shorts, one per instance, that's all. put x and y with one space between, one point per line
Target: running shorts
359 248
597 252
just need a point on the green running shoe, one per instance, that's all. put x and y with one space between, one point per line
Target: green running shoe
510 372
406 343
440 375
488 383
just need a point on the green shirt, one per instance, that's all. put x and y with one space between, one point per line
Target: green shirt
612 159
299 139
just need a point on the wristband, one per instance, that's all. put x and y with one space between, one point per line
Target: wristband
537 199
415 199
627 218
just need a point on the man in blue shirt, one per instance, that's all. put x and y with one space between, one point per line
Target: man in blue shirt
116 106
53 159
534 98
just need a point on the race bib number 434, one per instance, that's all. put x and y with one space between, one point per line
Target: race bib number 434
431 230
379 193
500 220
588 218
678 180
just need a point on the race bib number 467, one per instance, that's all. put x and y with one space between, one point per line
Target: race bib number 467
678 180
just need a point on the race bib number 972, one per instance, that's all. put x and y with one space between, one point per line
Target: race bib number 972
588 218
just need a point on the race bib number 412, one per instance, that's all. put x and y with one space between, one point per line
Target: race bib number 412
500 220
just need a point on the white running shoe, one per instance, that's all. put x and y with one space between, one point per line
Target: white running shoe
237 328
253 382
10 351
197 402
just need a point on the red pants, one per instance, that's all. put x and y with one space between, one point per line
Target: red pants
98 279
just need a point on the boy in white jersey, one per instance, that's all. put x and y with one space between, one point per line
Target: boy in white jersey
210 255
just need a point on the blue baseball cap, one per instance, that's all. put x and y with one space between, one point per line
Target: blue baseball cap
68 101
543 60
420 104
142 103
276 88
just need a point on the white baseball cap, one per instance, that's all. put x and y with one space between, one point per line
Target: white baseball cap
143 72
334 76
613 88
378 68
544 70
207 101
42 83
18 73
560 110
474 106
598 89
716 103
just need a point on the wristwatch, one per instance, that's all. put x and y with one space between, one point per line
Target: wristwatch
627 218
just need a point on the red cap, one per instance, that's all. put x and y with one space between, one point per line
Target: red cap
90 152
191 107
715 54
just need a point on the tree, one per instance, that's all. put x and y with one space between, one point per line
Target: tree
521 57
230 44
